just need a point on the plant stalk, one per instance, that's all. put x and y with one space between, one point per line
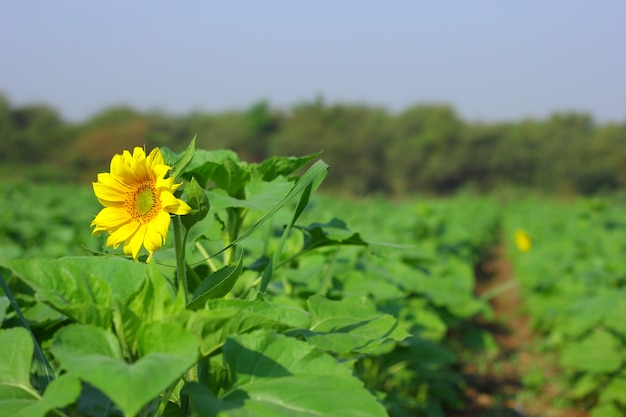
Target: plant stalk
179 247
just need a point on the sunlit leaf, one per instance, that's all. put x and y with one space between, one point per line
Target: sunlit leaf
81 287
349 325
276 376
276 166
197 199
597 353
94 355
61 392
224 318
183 161
216 285
16 351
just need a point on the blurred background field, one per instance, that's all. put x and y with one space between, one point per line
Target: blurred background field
449 131
425 148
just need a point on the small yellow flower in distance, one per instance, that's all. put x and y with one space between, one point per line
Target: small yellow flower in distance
522 240
138 201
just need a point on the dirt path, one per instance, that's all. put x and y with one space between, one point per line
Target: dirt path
495 382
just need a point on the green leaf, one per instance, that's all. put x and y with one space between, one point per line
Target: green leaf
307 185
216 285
263 195
614 391
81 287
181 164
282 166
259 195
222 167
44 373
94 355
333 233
61 392
275 376
155 301
606 410
290 316
198 201
16 351
4 304
224 318
349 325
585 385
597 353
312 178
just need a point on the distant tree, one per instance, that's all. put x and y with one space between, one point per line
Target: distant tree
37 133
6 128
424 151
106 134
351 139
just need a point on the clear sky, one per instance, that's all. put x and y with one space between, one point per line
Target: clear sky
490 60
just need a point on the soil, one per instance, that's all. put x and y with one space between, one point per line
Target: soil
494 383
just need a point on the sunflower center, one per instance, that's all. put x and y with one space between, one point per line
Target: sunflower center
143 203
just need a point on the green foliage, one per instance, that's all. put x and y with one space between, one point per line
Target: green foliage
577 298
287 307
295 302
310 382
423 148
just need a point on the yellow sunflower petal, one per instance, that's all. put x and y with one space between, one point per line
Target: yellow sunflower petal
106 194
114 182
154 239
159 171
110 218
173 205
162 223
133 244
155 157
122 233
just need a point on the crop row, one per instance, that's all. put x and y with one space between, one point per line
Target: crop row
569 261
411 261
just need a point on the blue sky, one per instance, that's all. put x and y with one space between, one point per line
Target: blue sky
490 60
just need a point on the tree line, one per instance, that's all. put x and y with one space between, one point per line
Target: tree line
425 148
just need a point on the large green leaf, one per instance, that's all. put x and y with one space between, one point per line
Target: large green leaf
282 165
94 355
349 325
259 195
16 351
615 390
81 287
597 353
221 167
224 318
197 199
17 396
61 392
4 304
155 301
183 161
333 233
275 376
216 285
289 315
304 186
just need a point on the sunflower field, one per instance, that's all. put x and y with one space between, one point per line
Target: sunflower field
197 284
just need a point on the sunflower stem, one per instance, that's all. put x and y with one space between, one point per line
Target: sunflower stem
179 247
235 219
181 270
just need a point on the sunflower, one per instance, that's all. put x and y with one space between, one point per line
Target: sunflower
138 201
522 240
